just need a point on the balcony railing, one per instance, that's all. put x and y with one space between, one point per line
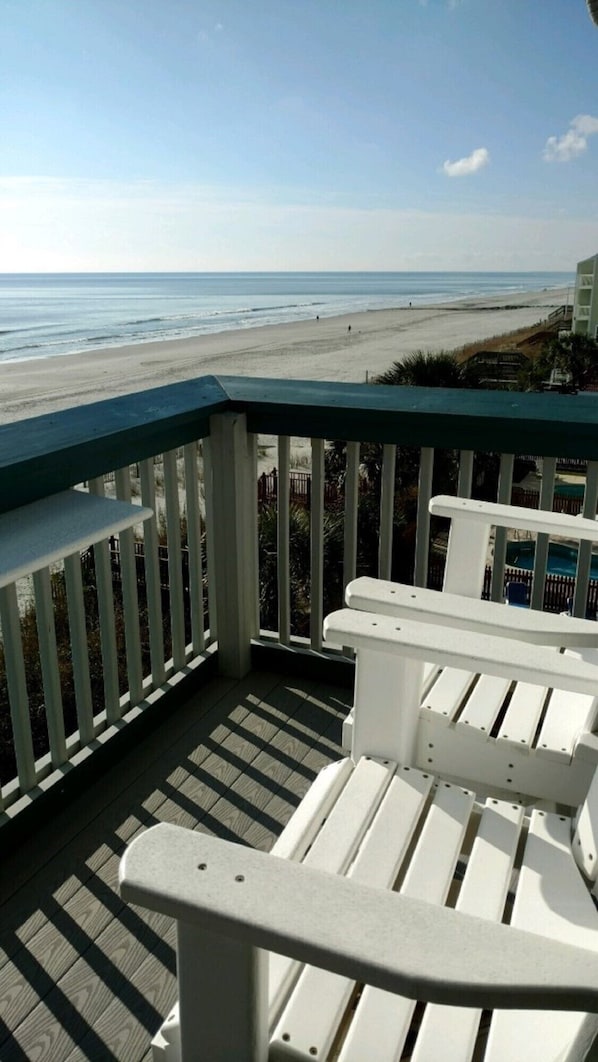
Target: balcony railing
211 590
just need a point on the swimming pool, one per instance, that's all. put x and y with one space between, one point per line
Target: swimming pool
562 560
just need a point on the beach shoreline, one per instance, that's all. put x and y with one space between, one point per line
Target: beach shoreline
343 348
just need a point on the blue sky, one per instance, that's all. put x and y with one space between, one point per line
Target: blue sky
297 134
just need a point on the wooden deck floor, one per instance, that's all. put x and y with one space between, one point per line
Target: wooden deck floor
83 976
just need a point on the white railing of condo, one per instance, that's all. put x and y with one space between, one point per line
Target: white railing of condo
351 499
153 627
128 621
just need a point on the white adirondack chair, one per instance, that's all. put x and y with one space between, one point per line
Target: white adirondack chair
526 740
324 951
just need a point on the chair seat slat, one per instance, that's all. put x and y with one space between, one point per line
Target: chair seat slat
342 832
551 899
381 1018
483 893
319 1000
522 717
293 843
483 706
565 719
305 821
333 848
567 716
445 695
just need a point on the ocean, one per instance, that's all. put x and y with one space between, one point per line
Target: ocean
45 315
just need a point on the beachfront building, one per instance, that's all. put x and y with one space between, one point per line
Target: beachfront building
585 304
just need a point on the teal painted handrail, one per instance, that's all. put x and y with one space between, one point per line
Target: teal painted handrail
46 454
515 422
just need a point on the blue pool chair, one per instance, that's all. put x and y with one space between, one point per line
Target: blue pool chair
517 594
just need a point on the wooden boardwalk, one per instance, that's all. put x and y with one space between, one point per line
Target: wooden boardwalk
82 976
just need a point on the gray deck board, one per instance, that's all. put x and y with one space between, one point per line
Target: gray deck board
83 976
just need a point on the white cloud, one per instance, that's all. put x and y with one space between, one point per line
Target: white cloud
470 164
572 143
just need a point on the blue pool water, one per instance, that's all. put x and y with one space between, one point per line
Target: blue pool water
562 560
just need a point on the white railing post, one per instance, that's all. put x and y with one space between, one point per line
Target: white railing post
17 687
194 547
130 597
152 574
351 514
422 529
73 579
465 481
106 613
505 488
283 539
48 654
175 571
234 490
387 498
543 541
317 544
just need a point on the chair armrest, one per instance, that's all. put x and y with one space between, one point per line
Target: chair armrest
453 610
540 521
454 647
372 935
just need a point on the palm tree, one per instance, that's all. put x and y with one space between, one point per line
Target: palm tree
575 356
424 368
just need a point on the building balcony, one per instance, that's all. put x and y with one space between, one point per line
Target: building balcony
195 687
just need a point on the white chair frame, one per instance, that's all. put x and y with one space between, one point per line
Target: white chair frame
532 743
356 896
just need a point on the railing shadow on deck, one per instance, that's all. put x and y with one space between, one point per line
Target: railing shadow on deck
80 967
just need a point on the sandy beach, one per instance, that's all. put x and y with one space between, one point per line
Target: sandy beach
333 348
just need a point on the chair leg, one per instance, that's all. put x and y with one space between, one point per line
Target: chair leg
387 696
223 997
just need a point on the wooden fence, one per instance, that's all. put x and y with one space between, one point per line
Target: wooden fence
299 489
300 493
561 503
563 464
